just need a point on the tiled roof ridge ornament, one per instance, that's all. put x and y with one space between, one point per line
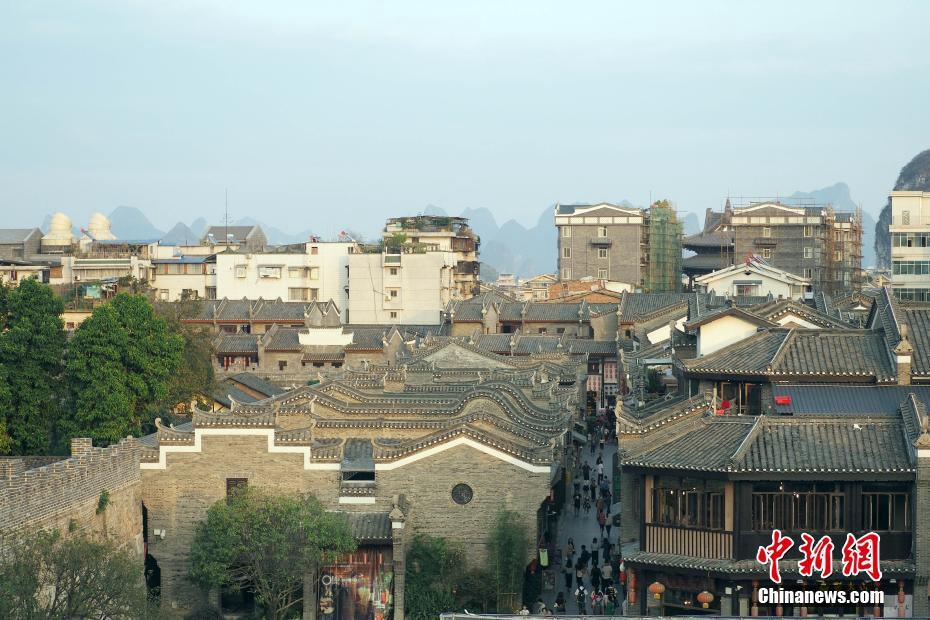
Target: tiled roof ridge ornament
904 346
923 441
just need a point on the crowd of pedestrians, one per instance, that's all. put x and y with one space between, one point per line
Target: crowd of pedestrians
593 581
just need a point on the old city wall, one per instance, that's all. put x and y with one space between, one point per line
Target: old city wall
66 495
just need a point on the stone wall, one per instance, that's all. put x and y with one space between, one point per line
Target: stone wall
65 495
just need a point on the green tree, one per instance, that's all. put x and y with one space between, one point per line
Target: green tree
121 363
509 545
196 376
434 571
32 343
48 576
268 543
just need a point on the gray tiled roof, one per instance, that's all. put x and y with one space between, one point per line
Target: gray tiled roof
371 526
708 445
595 347
237 343
917 317
870 400
494 342
797 352
638 305
774 444
266 310
836 352
827 445
239 233
10 236
256 383
324 353
716 239
749 356
284 339
534 344
357 455
709 262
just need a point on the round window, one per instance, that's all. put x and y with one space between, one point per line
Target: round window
462 494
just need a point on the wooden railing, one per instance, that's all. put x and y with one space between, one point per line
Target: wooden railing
694 542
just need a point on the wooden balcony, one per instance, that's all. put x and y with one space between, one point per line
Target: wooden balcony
689 541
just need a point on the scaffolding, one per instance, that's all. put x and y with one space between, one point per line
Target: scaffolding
842 264
663 245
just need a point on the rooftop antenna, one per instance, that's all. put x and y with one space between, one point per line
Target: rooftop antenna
226 216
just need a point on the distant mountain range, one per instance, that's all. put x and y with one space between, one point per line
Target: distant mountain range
838 196
510 247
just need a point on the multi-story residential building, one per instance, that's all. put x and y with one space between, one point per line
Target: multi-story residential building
812 241
910 245
639 247
443 234
305 272
184 277
401 284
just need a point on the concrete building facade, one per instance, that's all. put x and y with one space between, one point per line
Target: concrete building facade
910 245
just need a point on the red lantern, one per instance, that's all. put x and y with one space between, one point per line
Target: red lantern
705 598
656 588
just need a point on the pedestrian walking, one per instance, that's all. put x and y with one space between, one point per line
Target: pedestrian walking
594 551
577 501
579 574
614 521
584 556
570 548
587 505
599 504
586 471
559 606
601 520
603 442
568 571
595 577
597 603
607 573
600 471
581 597
593 492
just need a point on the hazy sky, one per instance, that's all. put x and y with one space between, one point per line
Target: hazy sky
319 115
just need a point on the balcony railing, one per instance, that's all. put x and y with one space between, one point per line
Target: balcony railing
689 541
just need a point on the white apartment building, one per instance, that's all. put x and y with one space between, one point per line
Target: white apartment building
190 276
910 245
403 287
318 272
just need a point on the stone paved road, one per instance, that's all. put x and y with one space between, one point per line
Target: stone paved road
582 529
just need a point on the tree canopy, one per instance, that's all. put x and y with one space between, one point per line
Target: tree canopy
509 546
121 363
196 375
32 344
268 543
47 576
